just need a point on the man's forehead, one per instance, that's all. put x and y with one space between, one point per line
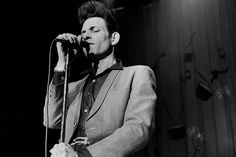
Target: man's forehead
94 21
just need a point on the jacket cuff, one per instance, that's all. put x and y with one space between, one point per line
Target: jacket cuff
58 78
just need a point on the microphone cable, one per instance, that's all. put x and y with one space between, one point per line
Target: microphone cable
47 100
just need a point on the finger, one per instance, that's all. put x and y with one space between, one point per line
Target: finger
72 38
62 36
54 151
63 147
53 148
69 37
60 146
79 38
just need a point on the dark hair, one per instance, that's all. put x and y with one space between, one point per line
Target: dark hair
97 9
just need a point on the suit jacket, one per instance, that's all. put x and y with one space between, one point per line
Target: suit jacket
122 118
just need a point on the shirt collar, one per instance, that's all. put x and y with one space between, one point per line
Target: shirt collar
117 66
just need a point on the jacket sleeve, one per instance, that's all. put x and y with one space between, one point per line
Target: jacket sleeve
53 101
139 119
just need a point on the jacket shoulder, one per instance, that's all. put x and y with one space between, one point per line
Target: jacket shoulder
138 68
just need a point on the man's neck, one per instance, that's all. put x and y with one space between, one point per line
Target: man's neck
105 63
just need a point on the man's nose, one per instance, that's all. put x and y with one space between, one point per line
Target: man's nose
86 35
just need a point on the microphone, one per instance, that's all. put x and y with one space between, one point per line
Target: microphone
77 45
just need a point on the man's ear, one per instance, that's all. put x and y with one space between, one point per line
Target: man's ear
115 37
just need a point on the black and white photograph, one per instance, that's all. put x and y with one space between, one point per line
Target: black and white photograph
119 78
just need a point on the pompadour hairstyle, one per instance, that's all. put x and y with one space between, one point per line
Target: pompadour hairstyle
94 8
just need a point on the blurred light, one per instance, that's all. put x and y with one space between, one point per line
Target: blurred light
109 3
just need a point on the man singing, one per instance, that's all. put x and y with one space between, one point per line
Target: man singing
111 109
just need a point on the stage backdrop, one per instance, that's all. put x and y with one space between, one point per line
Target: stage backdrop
191 45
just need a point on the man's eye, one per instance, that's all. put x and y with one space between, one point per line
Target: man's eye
96 30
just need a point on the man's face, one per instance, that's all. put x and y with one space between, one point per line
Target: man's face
95 32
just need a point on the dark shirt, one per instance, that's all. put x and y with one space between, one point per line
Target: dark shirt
91 89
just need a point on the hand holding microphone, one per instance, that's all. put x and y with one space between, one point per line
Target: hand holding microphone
67 43
68 40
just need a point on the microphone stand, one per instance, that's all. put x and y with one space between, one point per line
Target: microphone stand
65 93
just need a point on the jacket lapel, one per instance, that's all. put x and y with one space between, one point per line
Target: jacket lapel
73 113
103 92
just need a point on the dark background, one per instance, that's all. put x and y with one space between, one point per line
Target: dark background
187 43
28 28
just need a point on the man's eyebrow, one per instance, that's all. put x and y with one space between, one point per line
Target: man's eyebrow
90 28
